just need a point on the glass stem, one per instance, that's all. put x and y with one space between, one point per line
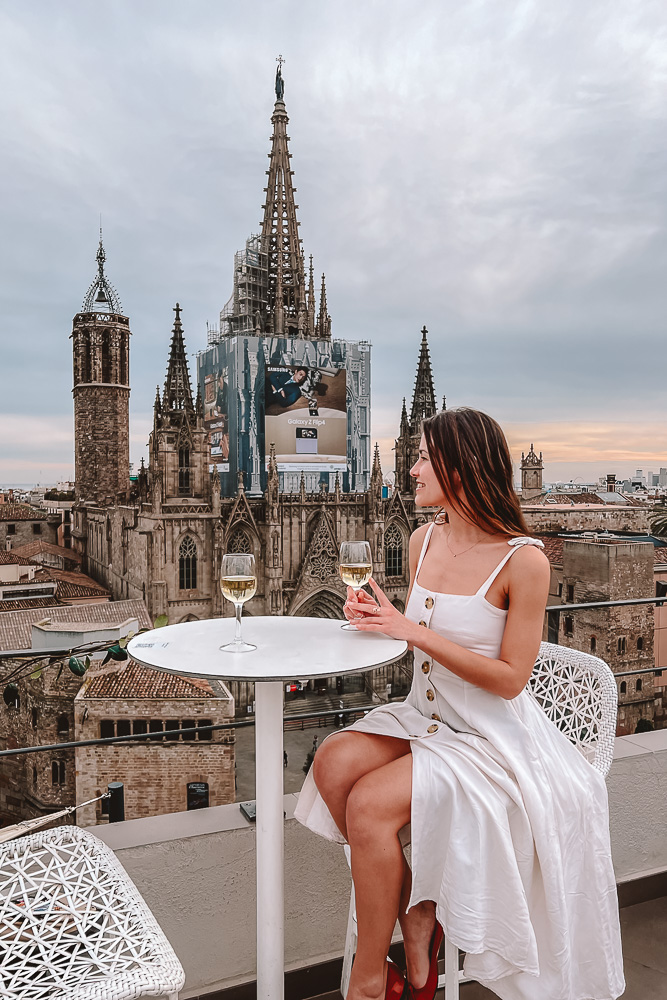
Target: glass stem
238 608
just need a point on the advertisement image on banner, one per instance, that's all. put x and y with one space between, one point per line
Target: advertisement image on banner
306 417
216 417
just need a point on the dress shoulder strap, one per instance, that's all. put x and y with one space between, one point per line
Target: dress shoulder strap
514 543
427 539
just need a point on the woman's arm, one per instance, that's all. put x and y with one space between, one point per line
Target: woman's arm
528 590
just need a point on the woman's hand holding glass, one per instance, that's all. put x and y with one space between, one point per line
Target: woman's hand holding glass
378 615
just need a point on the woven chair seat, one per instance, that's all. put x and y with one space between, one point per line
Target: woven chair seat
73 925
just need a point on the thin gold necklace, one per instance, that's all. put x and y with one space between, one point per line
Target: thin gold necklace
457 554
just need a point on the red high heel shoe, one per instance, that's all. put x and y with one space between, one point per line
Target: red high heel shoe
427 991
395 982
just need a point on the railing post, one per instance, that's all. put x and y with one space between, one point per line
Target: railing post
116 802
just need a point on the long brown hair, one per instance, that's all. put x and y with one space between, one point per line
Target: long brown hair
471 443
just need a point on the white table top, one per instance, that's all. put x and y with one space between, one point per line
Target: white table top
287 648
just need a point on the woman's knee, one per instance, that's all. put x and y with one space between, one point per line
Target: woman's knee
333 766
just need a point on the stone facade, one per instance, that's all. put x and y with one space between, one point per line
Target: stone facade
591 517
622 636
21 525
156 774
36 784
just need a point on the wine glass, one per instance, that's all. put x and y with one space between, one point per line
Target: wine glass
355 567
238 583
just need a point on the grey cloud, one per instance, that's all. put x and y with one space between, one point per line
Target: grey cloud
495 171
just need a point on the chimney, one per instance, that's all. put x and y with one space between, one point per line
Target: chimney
611 482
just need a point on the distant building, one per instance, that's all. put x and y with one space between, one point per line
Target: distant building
21 524
58 706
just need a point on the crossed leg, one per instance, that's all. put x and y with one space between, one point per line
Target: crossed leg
366 782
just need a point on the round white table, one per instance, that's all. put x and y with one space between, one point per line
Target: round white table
287 648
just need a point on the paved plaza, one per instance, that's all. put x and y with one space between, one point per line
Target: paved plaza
298 743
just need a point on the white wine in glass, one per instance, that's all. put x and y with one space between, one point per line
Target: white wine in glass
238 583
355 567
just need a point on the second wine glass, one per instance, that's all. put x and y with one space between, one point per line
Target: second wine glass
238 583
355 567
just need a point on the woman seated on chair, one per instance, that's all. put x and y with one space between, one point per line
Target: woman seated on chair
507 820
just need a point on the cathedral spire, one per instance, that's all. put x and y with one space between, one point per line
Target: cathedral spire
423 400
101 296
311 299
405 424
323 327
177 391
280 229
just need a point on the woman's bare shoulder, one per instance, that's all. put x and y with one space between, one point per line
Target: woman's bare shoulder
417 536
530 564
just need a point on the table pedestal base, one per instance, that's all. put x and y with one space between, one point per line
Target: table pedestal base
270 839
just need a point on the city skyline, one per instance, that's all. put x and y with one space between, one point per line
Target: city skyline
513 204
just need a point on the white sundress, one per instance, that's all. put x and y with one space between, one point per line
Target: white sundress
509 824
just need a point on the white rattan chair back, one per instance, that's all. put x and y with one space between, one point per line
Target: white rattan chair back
578 693
74 927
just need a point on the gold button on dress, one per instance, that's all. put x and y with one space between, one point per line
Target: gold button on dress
426 666
436 717
432 729
428 603
423 623
430 695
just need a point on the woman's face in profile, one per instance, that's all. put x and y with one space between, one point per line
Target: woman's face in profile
428 492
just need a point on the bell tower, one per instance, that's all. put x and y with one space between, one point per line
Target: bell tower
532 469
101 352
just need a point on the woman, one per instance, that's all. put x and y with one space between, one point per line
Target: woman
509 823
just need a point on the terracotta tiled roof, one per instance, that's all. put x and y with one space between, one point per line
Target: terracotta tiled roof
71 585
553 548
135 681
16 626
31 602
20 512
9 558
36 547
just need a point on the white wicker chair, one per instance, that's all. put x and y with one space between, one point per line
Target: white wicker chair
578 693
74 927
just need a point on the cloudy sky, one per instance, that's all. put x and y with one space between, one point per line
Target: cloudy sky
494 170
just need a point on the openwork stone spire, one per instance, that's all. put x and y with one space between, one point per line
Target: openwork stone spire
101 296
177 391
423 400
280 229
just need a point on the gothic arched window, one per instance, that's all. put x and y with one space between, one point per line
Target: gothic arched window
184 472
239 542
187 564
393 551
